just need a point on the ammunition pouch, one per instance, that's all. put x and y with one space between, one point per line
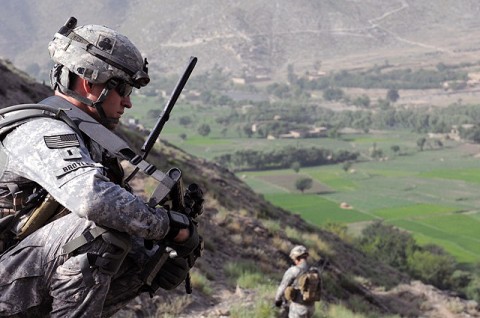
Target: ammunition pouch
109 262
290 293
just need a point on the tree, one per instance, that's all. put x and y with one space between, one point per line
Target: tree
204 130
333 94
184 120
421 143
362 101
383 104
430 267
303 184
395 148
392 95
387 244
346 166
247 130
375 152
296 166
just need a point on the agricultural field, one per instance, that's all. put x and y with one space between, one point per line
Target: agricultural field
434 193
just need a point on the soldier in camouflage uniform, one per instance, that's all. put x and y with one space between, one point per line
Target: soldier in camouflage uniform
297 308
42 275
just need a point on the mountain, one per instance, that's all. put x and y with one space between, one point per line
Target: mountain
255 37
240 227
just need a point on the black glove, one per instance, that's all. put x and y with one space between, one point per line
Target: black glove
172 273
278 303
177 222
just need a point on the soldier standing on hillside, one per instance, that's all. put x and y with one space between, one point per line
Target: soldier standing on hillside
297 308
88 262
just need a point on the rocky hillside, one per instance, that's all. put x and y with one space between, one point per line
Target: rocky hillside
17 87
240 227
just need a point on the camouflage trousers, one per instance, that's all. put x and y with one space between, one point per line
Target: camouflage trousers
37 279
297 310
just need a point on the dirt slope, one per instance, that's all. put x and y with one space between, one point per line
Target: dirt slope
17 87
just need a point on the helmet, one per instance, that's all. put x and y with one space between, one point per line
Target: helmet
298 251
98 54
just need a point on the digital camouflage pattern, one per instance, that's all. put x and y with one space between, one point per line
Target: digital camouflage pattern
37 278
297 309
77 53
77 182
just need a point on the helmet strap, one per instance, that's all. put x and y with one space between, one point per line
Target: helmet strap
56 83
111 84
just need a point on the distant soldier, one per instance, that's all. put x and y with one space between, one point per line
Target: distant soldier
72 234
300 286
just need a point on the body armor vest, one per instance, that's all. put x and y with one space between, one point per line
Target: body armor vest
24 205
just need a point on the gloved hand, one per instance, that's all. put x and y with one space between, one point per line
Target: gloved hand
179 221
172 273
278 303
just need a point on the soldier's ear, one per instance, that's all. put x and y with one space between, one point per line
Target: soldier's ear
82 86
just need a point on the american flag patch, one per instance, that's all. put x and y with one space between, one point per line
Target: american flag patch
61 141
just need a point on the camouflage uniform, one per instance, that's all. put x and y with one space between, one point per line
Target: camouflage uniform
297 309
37 277
43 275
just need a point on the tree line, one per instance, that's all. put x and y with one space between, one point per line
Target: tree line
283 158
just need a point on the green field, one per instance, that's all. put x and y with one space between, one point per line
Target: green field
434 193
316 209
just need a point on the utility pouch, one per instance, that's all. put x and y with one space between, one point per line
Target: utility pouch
39 217
122 243
108 263
290 293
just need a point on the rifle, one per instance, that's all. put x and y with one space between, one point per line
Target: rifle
187 201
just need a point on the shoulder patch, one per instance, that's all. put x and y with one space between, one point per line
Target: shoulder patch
61 141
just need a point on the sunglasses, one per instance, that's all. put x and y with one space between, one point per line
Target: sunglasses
124 89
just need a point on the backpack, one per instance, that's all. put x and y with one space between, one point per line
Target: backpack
306 288
309 285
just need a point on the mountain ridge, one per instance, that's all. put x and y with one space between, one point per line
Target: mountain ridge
255 37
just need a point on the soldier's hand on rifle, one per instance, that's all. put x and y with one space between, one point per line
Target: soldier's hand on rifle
184 239
183 235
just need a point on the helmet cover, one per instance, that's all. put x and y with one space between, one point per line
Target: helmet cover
298 251
98 54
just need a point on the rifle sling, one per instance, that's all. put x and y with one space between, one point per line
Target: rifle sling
78 120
